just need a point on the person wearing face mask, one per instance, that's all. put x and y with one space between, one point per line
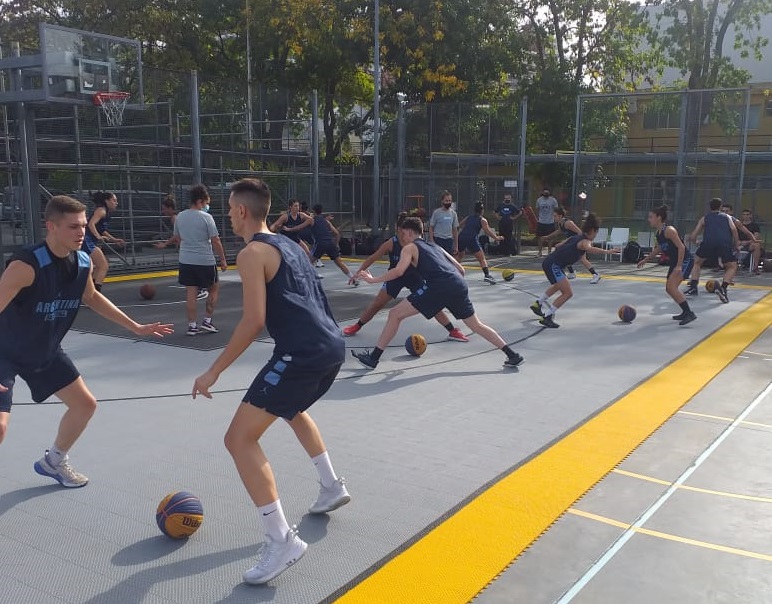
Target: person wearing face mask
508 213
198 240
443 225
545 215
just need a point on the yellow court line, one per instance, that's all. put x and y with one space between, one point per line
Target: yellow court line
724 419
462 554
148 275
694 489
670 537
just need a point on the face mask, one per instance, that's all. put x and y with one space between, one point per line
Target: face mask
447 205
206 208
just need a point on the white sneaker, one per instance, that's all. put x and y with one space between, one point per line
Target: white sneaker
202 294
63 473
208 327
320 275
489 280
595 279
276 557
331 498
571 275
319 264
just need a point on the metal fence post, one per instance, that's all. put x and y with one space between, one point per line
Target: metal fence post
577 151
678 210
315 147
744 148
195 133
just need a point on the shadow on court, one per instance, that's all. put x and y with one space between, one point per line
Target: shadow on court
10 500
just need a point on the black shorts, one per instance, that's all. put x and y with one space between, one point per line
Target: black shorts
553 271
326 248
88 245
686 267
393 287
43 381
431 300
542 230
708 251
445 244
469 244
198 275
294 235
283 389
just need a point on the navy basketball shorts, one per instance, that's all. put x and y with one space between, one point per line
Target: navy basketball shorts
393 287
542 229
469 244
294 235
553 271
196 275
326 248
445 244
725 253
43 381
430 300
283 389
88 245
686 267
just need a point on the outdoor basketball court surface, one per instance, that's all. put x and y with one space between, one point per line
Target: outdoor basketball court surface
620 462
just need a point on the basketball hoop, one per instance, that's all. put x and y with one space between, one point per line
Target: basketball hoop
112 105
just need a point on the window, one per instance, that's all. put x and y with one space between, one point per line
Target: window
651 192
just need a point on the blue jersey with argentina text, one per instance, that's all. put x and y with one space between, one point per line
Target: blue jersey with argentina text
435 267
666 247
321 229
34 324
472 226
717 229
568 253
297 314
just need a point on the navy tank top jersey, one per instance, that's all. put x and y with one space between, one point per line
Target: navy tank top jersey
37 319
472 225
293 222
717 229
434 267
568 253
101 225
396 252
321 229
666 246
298 316
563 229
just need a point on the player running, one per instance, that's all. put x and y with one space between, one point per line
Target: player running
391 289
41 291
469 239
282 294
444 288
96 233
681 261
568 253
326 238
565 227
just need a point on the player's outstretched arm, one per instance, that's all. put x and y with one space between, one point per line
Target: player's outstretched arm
406 257
16 277
647 258
103 307
277 224
384 249
252 268
697 229
490 232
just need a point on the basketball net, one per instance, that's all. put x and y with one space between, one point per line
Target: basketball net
112 105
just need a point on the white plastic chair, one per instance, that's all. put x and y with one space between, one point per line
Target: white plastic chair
645 239
601 237
620 237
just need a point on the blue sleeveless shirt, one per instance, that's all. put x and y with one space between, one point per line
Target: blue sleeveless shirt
472 226
667 247
568 253
34 324
321 229
435 268
297 314
717 229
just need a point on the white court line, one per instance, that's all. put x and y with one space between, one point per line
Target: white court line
613 550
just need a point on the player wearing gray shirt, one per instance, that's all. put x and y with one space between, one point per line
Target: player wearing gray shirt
198 241
443 225
545 217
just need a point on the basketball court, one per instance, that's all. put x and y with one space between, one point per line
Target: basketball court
458 469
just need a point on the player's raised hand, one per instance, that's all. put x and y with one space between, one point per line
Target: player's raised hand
3 388
203 383
154 329
365 276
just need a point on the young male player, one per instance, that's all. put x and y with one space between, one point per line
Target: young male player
326 239
720 242
281 293
410 280
292 222
444 288
40 293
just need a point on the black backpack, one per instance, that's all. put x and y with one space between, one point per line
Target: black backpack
632 252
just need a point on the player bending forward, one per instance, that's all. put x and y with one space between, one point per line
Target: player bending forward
444 288
281 293
40 293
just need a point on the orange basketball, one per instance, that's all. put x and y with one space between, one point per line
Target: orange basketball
147 291
179 515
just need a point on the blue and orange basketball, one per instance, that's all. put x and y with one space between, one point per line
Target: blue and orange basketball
179 515
415 345
508 274
626 313
711 285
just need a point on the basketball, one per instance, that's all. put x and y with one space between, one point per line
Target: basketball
711 285
508 274
626 313
179 515
415 345
147 291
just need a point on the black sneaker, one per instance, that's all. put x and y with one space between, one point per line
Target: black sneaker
688 318
722 294
691 291
536 308
365 358
513 361
678 317
549 322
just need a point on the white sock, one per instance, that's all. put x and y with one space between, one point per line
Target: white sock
543 300
192 324
323 465
274 522
207 319
56 456
551 310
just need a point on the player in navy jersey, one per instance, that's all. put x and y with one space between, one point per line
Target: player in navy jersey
292 222
410 280
568 253
282 294
40 293
567 228
719 242
469 239
681 261
326 239
96 232
444 287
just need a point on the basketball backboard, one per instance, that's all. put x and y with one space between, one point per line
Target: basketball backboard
72 66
